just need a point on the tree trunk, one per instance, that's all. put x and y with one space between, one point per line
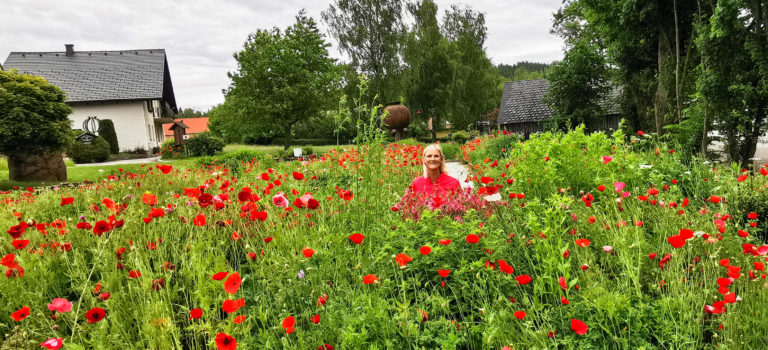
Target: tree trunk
677 60
732 145
287 140
30 167
660 103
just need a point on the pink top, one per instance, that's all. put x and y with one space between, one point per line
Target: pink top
444 183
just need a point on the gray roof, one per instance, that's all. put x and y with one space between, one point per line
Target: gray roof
88 76
522 101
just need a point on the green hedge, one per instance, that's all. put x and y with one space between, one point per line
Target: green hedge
204 144
107 131
169 150
96 152
234 161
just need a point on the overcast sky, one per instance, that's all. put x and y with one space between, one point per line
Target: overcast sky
200 36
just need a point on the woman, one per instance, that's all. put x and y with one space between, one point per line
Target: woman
434 181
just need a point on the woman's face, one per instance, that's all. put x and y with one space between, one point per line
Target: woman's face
432 159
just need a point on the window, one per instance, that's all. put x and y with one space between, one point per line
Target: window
150 107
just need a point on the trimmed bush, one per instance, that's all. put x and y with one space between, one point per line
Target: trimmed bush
451 151
235 161
460 136
107 131
96 152
204 144
170 150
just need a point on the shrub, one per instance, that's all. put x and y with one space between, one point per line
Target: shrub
238 161
107 131
204 144
460 136
169 150
96 152
451 151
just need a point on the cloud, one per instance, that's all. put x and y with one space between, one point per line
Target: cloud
200 36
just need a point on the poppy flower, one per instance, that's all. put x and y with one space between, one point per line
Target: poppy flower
752 215
308 252
520 314
20 243
607 159
424 316
95 315
239 319
601 188
165 169
298 176
473 238
156 213
715 199
676 241
67 200
424 250
523 279
20 314
368 279
618 186
444 241
325 347
561 282
83 225
579 327
199 220
232 284
506 268
134 274
231 306
443 273
100 227
225 342
315 319
288 324
582 242
60 305
321 300
53 343
195 314
564 301
402 260
279 200
219 276
357 238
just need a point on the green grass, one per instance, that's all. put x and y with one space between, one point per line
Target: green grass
275 149
77 173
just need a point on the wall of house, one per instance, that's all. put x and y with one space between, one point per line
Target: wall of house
130 118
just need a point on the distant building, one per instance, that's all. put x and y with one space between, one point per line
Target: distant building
131 87
195 126
523 111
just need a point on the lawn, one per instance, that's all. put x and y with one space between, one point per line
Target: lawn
598 242
278 149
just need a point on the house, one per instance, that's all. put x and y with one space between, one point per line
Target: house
130 87
523 110
195 126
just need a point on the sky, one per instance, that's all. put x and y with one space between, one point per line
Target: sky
200 37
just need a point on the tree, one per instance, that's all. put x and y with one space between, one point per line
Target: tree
34 127
371 33
187 113
107 131
577 86
284 78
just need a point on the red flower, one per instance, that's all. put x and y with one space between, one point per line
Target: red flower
676 241
561 282
315 319
506 268
199 220
239 319
443 273
20 243
165 169
308 252
225 342
83 225
368 279
231 306
67 200
134 274
288 324
357 238
564 301
520 314
444 241
156 213
20 314
715 199
523 279
472 238
149 199
325 347
424 250
232 284
100 227
53 343
298 176
195 314
403 259
579 327
95 315
321 300
582 242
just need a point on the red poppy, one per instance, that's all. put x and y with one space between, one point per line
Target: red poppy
20 314
298 176
232 284
443 273
325 347
444 241
20 243
308 252
579 327
165 169
195 314
239 319
199 220
225 342
523 279
473 238
288 324
100 227
424 250
506 268
582 242
520 314
676 241
715 199
564 301
752 215
219 276
231 306
67 200
321 300
315 319
561 282
149 199
368 279
402 259
134 274
83 225
357 238
156 213
424 316
95 315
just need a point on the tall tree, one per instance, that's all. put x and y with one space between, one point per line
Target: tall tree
284 78
370 32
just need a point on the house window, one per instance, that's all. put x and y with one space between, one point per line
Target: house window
150 107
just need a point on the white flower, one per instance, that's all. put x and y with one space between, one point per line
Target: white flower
699 233
607 248
646 166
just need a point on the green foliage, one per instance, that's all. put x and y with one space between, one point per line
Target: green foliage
460 136
96 152
187 113
203 144
451 151
169 150
33 115
107 131
523 70
238 161
283 78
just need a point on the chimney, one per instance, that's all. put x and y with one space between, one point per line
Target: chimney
70 50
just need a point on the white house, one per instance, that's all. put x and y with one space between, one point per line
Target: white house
130 87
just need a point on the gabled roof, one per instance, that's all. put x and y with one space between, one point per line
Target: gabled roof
88 76
523 101
194 126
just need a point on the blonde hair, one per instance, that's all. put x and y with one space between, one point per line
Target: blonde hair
433 146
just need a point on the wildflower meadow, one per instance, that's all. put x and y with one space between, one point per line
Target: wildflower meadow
599 241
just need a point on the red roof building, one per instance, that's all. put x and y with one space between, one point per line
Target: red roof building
196 126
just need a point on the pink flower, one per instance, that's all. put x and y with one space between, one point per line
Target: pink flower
280 200
618 186
53 343
60 305
607 248
607 159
